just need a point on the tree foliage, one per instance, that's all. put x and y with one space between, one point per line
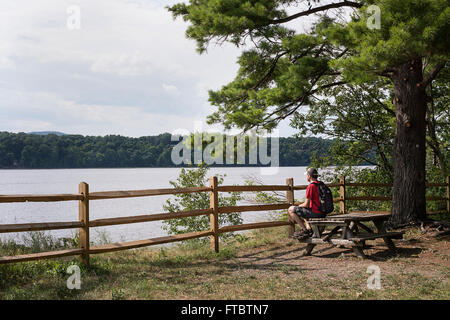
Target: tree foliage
199 200
282 68
314 77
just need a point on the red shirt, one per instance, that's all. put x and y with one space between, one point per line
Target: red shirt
312 193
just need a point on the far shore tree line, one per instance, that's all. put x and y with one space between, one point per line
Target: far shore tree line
30 151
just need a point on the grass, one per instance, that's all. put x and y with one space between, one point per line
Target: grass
263 264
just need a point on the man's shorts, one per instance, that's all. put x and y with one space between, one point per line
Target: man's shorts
307 213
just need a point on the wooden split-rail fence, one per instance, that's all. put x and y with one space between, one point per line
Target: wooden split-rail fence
84 223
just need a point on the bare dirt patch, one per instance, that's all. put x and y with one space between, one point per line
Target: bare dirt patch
422 255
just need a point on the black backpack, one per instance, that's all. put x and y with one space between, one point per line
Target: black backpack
326 204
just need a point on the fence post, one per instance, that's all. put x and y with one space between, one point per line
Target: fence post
83 216
214 216
448 194
290 200
342 195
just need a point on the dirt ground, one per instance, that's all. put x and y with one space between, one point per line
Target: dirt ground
422 254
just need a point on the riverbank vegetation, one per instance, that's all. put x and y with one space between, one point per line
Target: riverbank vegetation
264 264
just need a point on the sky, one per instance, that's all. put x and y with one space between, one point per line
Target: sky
106 67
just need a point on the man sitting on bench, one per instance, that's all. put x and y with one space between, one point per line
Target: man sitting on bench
309 208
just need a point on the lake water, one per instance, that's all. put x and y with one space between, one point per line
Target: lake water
56 181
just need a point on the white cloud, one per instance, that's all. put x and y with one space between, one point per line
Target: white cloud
112 76
123 65
78 118
6 63
171 89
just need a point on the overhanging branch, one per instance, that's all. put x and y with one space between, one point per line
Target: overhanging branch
430 77
316 10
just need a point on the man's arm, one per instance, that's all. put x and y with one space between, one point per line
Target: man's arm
305 204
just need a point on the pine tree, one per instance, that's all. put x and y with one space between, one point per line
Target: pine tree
282 68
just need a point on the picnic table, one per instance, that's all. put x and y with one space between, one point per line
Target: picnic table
350 230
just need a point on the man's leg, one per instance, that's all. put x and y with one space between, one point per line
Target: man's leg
300 221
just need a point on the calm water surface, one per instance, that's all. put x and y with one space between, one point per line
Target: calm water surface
56 181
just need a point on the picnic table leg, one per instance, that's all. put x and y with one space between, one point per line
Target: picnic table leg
390 244
379 225
358 250
317 231
343 236
381 229
308 249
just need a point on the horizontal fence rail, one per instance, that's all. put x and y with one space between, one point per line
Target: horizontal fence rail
260 207
148 218
144 243
254 188
40 198
84 222
143 193
5 228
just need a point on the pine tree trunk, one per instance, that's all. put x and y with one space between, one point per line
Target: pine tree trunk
408 194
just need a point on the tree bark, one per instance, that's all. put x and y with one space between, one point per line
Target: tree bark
408 194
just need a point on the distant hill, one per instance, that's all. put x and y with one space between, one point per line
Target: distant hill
44 133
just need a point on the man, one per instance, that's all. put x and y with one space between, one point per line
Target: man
309 208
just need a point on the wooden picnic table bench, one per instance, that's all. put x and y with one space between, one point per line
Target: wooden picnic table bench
349 230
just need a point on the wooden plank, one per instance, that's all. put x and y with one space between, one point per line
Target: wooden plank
331 233
342 197
40 255
309 248
290 201
354 217
389 243
257 225
304 186
363 237
319 222
260 207
148 242
363 184
433 198
40 197
83 217
340 242
4 228
358 251
370 212
144 193
438 212
436 184
369 198
358 214
252 188
363 226
214 215
148 218
379 198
